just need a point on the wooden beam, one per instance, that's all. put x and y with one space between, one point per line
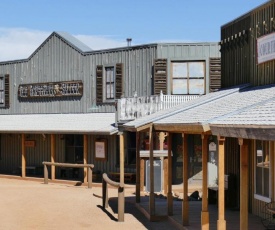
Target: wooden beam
185 204
204 213
221 221
244 184
53 156
121 158
169 177
142 163
23 156
121 165
151 159
85 156
137 167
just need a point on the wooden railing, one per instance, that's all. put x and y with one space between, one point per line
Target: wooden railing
105 181
131 108
88 166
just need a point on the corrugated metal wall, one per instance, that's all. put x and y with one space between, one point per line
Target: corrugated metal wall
57 61
188 51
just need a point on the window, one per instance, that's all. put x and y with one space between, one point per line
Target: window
74 149
262 172
110 82
188 77
4 91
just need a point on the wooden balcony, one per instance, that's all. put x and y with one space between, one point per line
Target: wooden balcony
131 108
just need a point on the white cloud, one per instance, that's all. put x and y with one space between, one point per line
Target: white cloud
20 43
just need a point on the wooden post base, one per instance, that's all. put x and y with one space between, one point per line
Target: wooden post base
221 224
205 220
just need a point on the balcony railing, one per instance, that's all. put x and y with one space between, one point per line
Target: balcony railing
131 108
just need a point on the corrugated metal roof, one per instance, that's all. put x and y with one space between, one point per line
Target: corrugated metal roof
181 109
88 123
74 41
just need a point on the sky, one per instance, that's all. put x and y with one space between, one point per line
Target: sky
103 24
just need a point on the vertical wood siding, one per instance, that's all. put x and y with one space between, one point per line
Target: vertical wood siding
11 152
239 51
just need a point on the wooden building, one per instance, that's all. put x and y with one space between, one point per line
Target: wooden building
60 103
240 122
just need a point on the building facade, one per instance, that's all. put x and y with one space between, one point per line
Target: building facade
75 90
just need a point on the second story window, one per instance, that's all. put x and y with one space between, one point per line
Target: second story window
110 82
4 91
188 77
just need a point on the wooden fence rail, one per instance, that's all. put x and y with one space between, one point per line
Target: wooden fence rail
89 166
121 206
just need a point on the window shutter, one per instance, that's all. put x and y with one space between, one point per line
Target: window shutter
119 80
214 74
160 76
99 84
7 90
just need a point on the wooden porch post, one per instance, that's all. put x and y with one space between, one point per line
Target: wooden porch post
185 204
53 156
162 136
85 156
221 221
137 167
121 166
142 174
244 184
204 213
151 160
169 177
23 166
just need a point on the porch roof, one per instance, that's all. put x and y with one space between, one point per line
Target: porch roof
257 122
146 121
82 123
197 119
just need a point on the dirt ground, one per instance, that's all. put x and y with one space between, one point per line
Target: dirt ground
31 204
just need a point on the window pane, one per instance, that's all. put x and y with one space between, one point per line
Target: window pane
196 69
259 180
110 91
196 86
266 182
2 96
2 85
262 168
109 74
179 86
179 70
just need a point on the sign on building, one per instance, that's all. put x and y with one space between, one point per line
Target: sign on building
266 48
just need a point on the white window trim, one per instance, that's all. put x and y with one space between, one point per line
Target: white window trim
104 83
257 196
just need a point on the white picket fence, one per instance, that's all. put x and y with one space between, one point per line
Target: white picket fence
134 107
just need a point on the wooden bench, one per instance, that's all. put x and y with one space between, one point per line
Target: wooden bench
128 177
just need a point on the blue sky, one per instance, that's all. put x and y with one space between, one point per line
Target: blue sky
101 24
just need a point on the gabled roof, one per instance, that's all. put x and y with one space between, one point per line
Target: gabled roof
143 122
67 38
82 123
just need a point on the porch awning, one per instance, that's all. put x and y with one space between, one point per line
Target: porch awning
82 123
146 121
256 122
202 118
